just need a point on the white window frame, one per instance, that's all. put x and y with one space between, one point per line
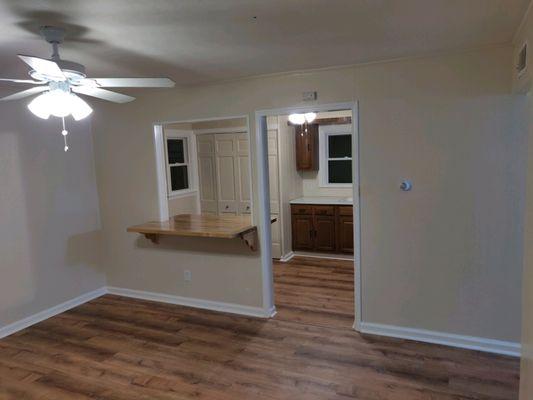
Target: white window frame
190 158
324 131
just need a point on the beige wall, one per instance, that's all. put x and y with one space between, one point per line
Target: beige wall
49 219
444 257
523 85
311 186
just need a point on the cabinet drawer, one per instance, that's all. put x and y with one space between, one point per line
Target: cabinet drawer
301 209
227 207
345 210
324 210
245 208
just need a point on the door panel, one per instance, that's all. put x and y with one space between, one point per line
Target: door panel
206 173
273 177
324 237
302 232
226 178
244 178
345 234
306 141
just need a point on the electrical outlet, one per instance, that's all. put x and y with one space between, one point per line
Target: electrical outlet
187 275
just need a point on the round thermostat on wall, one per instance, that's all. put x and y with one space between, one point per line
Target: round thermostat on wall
406 185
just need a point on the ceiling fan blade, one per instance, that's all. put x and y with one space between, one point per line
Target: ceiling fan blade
103 94
44 67
134 82
25 93
22 81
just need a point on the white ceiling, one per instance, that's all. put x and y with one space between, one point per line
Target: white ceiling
195 41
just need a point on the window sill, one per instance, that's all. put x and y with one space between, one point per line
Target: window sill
182 193
336 185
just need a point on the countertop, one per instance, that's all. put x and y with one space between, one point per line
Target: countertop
330 200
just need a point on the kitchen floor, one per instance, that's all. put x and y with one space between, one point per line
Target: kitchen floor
315 291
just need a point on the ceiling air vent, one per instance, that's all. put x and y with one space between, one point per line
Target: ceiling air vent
521 63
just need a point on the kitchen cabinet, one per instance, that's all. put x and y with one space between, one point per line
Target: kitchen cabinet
306 140
322 228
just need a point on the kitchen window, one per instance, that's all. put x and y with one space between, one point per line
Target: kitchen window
335 143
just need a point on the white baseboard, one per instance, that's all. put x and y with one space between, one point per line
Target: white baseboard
422 335
287 257
323 255
50 312
448 339
196 303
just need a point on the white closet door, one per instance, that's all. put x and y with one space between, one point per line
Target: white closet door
273 176
227 173
243 174
207 174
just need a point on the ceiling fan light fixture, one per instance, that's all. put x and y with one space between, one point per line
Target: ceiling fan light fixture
297 119
300 119
59 102
79 108
40 107
309 117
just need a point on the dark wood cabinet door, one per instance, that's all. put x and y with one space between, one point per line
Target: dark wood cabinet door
345 234
306 147
324 233
302 232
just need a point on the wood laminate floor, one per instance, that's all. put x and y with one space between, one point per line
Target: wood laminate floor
124 349
315 291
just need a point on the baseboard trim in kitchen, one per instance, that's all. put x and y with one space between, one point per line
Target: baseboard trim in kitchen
287 257
323 255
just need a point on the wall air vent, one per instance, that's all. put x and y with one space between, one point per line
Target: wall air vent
521 62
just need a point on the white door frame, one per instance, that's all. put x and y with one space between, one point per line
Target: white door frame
264 199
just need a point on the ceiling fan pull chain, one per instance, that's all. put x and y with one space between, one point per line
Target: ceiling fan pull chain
64 132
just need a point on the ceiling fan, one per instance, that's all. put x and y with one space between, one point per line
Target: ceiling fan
58 83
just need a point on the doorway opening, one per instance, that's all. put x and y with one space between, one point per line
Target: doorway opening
307 161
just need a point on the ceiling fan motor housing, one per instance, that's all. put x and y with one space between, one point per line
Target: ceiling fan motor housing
52 34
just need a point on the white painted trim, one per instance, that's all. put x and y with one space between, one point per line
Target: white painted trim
50 312
236 129
263 194
264 198
327 256
196 303
447 339
287 257
186 121
161 175
356 196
